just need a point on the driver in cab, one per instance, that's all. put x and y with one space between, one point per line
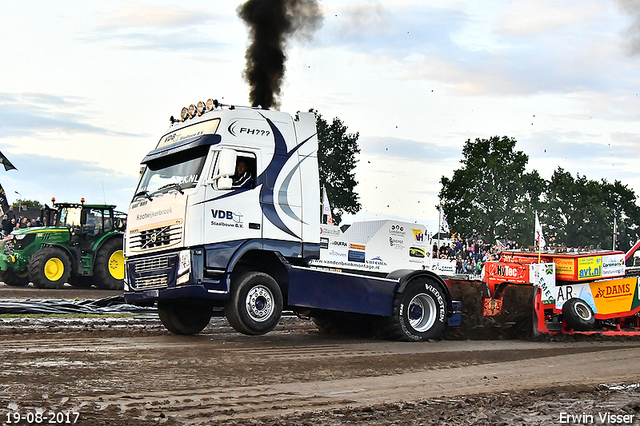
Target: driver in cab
243 178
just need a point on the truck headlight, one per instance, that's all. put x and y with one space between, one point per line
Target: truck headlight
126 277
184 266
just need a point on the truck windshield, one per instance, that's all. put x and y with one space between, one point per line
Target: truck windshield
175 172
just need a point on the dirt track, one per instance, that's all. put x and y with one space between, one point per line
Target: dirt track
130 371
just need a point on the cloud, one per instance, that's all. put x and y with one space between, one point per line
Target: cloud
156 16
26 114
530 48
41 177
394 28
543 17
172 41
141 26
396 148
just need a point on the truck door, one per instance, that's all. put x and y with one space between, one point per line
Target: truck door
234 214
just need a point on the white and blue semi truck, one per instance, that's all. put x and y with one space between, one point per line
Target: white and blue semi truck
198 242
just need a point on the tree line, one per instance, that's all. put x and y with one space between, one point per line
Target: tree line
491 196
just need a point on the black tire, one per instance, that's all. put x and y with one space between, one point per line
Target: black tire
419 313
255 305
49 267
109 267
15 279
80 281
578 314
185 316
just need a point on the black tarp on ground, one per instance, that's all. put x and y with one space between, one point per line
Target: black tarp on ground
108 305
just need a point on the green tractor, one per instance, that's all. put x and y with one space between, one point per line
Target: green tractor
80 244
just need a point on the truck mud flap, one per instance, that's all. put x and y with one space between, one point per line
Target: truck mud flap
516 319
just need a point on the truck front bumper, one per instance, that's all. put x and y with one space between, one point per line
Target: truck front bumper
172 275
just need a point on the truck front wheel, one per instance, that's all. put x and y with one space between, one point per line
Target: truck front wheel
185 316
109 267
255 305
49 267
418 313
16 278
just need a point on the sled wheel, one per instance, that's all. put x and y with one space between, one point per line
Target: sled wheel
16 278
185 316
255 305
578 314
109 268
418 313
49 267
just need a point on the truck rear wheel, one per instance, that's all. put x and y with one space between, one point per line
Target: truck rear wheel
578 314
185 316
418 313
255 305
49 267
15 279
109 267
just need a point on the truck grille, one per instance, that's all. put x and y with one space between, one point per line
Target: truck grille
156 281
157 237
150 264
152 272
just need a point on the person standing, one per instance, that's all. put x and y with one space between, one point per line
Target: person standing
6 225
11 215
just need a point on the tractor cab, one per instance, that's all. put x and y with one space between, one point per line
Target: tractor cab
87 223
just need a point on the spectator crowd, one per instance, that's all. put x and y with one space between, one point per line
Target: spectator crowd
11 222
469 254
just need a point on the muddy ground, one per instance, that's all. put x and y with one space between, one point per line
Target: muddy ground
130 371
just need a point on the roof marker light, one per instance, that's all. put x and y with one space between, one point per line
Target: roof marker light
211 104
200 107
192 111
184 114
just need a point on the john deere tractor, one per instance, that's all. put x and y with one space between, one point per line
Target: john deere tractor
80 244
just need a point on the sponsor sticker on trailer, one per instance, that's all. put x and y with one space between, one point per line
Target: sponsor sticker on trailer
564 268
613 265
589 267
614 296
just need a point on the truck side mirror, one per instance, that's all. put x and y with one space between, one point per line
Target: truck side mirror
226 168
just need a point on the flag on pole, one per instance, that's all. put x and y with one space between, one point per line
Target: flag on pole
6 163
326 208
445 225
4 204
539 237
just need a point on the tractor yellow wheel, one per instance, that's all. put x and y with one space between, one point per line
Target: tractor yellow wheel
116 265
53 269
109 266
49 267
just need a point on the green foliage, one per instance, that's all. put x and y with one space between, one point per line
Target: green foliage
491 195
580 212
336 160
31 204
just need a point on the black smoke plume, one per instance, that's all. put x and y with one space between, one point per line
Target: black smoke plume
271 24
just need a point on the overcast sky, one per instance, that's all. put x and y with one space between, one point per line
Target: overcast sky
87 88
